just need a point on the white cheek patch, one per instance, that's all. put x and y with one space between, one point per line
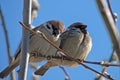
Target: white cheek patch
45 25
58 36
55 38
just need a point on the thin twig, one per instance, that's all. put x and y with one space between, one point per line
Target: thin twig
99 77
6 36
109 6
64 52
10 58
107 64
105 68
66 73
107 76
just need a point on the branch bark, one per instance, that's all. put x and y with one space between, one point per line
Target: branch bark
24 58
110 25
102 63
102 74
66 73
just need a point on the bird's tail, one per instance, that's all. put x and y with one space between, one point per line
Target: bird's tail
42 70
9 69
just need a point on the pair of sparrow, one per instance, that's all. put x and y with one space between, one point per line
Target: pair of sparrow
76 41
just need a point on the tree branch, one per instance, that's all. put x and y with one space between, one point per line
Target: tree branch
66 73
110 25
99 77
24 58
102 63
110 21
102 74
10 58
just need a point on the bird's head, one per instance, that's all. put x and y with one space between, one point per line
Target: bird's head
78 26
55 28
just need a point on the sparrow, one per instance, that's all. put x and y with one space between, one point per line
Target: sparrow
79 40
76 41
38 46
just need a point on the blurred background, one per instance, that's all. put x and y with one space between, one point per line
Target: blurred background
68 11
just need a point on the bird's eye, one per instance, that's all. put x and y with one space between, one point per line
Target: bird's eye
48 26
84 27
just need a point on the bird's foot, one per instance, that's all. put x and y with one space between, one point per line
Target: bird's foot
49 57
81 60
35 54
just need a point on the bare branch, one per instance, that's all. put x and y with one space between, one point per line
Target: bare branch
24 58
66 73
105 75
110 24
99 77
113 57
10 58
102 63
6 36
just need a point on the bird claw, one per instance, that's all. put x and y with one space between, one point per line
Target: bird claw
81 60
35 54
62 58
49 57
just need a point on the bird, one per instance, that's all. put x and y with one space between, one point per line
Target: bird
38 46
76 41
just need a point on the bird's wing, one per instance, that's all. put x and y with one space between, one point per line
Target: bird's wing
85 47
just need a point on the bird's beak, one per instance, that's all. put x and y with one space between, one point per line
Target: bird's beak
56 32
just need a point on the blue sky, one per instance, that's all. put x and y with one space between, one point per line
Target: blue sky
68 11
